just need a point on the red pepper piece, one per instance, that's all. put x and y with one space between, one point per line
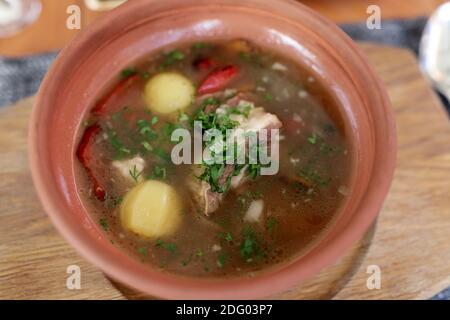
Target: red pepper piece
83 154
101 106
217 80
204 64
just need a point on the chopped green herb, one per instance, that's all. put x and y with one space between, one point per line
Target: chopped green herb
228 237
171 247
158 173
172 57
145 129
145 75
245 56
162 154
268 97
311 174
186 261
221 260
212 174
120 149
326 148
169 128
312 139
213 170
147 146
183 117
104 224
254 170
128 72
135 174
250 247
112 202
271 223
119 115
241 109
200 45
143 251
199 253
254 194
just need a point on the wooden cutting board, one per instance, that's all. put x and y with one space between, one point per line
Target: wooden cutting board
410 241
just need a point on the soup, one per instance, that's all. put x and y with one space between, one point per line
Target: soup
207 218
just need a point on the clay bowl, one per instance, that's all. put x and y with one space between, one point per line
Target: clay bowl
83 70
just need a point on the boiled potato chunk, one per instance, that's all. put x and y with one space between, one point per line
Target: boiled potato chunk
151 209
168 92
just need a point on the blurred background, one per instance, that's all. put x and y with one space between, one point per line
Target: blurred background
33 31
49 32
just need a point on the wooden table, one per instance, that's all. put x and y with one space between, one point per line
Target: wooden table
410 241
49 32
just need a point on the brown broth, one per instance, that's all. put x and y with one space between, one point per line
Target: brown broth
296 214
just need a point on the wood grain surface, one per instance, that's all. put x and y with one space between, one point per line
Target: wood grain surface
410 241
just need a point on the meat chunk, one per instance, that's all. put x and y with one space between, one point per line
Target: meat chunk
255 120
208 200
129 167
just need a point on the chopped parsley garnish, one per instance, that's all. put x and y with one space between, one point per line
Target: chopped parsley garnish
158 172
312 139
212 175
171 247
162 154
271 224
186 261
145 75
213 172
104 224
241 109
200 45
128 72
182 117
226 236
120 149
143 251
245 56
145 128
199 253
135 173
221 260
169 128
325 148
268 97
250 247
112 202
119 115
311 174
146 146
254 170
172 57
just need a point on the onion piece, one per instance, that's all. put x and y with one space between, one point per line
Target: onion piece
254 211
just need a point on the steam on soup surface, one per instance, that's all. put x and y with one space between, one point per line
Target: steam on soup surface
213 219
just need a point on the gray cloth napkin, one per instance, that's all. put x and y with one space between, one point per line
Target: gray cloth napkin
399 33
21 77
